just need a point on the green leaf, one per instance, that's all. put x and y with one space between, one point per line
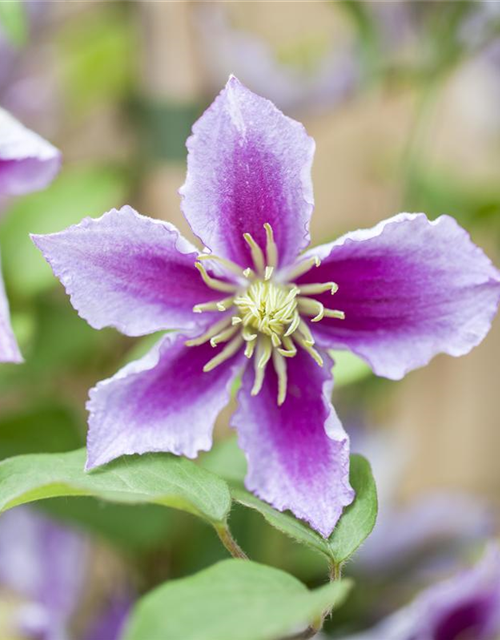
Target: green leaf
231 600
359 518
78 192
353 528
13 21
155 478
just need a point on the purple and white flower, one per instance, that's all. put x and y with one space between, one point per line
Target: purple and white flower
464 607
251 302
43 572
27 163
42 569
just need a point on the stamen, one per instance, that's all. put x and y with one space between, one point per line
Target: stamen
223 336
290 349
315 289
304 330
213 331
334 313
306 345
219 305
256 251
229 350
218 285
249 273
293 325
311 308
250 348
229 264
271 248
268 273
224 305
303 267
264 352
280 368
247 335
275 339
236 320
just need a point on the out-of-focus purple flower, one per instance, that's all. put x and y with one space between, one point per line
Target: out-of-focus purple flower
27 163
466 606
427 534
42 568
227 50
405 290
110 624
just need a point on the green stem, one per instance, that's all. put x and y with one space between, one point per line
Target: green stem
229 542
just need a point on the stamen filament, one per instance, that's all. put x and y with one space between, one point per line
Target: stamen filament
229 264
304 330
223 336
264 352
249 273
216 305
275 339
247 335
290 349
213 331
309 348
229 350
293 325
268 273
334 313
280 367
236 320
315 289
311 308
271 248
303 267
218 285
256 251
250 348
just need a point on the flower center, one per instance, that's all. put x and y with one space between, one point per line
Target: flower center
267 315
268 308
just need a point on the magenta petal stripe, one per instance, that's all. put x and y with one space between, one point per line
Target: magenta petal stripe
410 289
162 402
248 164
298 454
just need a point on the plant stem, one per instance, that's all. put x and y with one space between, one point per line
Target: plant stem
229 542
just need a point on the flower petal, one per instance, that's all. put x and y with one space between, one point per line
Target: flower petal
162 402
467 605
27 161
9 351
248 164
410 289
298 454
42 562
128 271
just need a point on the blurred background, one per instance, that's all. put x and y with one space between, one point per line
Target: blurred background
403 100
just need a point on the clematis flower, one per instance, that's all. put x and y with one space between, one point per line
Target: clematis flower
43 570
27 163
41 576
466 606
425 536
396 295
